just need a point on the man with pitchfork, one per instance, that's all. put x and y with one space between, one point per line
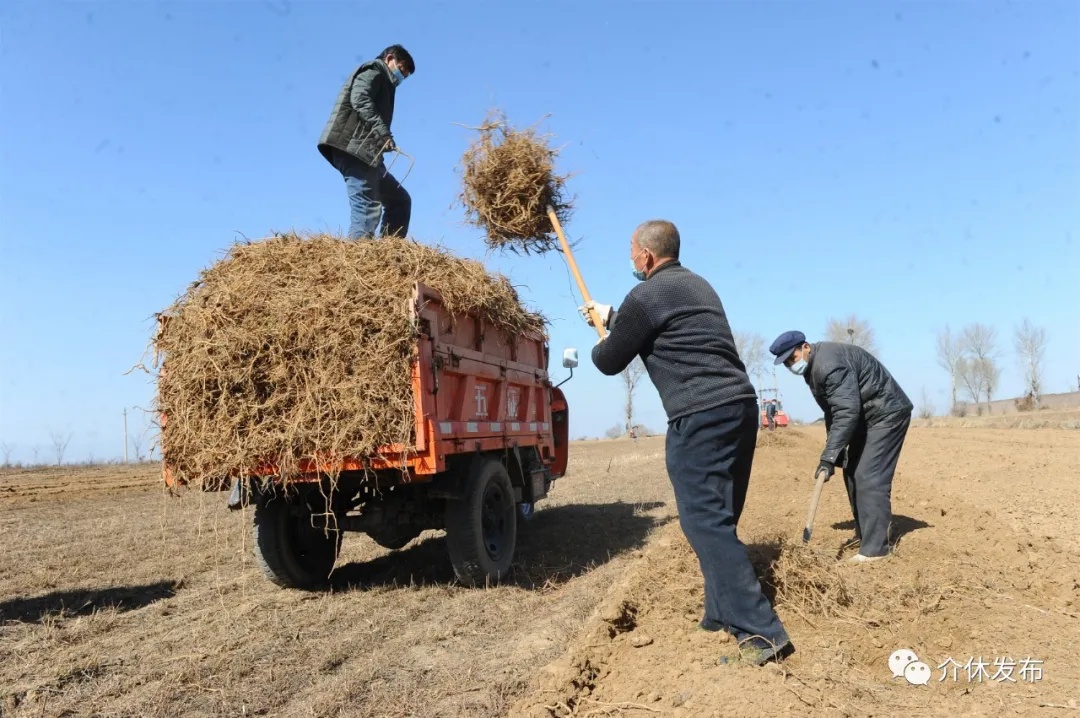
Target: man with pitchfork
674 320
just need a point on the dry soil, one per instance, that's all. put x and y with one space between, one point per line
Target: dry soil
119 600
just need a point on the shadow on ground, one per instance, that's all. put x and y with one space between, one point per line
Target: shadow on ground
84 601
764 556
901 526
555 546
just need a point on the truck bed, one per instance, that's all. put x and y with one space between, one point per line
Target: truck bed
475 388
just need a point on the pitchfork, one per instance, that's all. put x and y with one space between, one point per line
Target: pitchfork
597 323
398 153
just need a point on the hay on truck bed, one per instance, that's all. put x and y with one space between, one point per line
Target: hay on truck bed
298 348
508 182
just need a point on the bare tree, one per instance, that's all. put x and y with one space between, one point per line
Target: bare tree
136 443
979 377
1030 343
926 407
970 378
852 330
60 442
991 376
979 342
6 449
614 432
751 349
631 376
950 352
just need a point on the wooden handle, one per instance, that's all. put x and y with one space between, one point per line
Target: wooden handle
598 324
809 528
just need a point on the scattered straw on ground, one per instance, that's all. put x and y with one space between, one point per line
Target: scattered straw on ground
296 348
813 583
810 581
509 181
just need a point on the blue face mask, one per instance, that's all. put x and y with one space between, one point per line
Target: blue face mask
798 367
399 76
639 274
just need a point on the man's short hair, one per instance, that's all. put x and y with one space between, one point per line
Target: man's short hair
399 53
659 237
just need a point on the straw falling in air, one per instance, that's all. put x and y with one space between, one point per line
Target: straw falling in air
508 183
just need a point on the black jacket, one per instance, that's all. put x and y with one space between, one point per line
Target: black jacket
360 121
675 322
852 387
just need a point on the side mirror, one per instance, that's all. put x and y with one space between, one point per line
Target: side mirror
569 360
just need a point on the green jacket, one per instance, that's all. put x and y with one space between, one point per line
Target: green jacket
359 124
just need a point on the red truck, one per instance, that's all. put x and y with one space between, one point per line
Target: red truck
491 435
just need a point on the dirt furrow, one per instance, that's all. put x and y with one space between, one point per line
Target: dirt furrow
960 587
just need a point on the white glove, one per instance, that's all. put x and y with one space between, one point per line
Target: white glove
604 310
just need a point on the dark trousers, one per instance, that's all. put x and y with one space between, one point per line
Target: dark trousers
373 193
709 456
872 455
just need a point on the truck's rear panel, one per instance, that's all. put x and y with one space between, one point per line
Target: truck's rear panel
477 388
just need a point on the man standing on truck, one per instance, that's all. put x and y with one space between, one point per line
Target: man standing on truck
356 137
675 322
867 416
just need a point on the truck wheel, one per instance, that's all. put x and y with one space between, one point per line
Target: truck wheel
289 550
481 527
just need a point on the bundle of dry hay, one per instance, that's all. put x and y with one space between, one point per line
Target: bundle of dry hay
813 582
296 348
509 181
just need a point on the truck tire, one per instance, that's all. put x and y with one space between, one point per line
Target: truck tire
289 550
481 527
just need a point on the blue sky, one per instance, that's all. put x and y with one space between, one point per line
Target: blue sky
916 163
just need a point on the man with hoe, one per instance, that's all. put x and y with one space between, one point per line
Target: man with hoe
675 322
356 137
867 416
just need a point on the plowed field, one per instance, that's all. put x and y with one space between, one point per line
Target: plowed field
116 599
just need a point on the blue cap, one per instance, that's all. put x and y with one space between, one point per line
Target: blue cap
785 344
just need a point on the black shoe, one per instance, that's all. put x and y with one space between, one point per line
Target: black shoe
759 656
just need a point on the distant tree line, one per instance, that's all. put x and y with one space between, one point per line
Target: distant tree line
138 441
972 358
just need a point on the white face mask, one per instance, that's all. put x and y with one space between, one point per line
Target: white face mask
798 367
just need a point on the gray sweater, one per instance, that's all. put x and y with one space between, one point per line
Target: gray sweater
675 321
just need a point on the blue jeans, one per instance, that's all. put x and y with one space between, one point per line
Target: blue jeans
709 457
371 194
